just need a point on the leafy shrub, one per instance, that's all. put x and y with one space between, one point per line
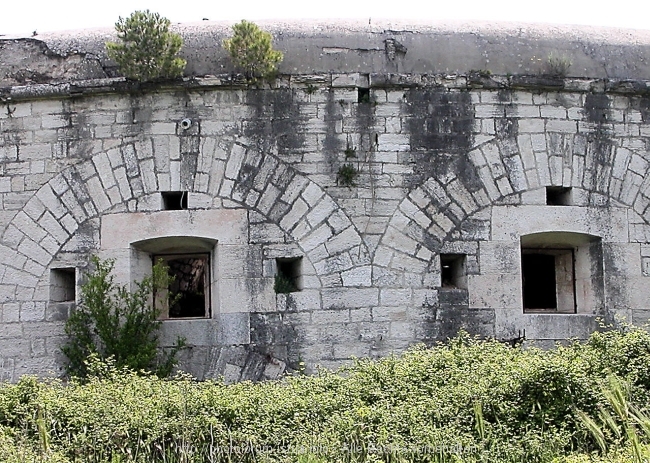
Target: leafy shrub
113 322
251 51
147 50
471 401
283 284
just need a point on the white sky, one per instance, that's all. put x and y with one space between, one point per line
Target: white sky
23 17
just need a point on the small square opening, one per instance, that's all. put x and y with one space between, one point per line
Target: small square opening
558 196
63 285
363 95
174 200
453 271
288 278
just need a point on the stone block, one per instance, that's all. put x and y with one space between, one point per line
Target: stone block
10 312
350 297
233 328
395 297
494 291
301 301
32 311
500 257
356 350
358 276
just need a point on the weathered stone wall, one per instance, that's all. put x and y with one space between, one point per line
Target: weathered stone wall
447 166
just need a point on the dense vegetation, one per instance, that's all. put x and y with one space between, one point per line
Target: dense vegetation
467 400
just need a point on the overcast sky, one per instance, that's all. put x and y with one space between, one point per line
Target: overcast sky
24 17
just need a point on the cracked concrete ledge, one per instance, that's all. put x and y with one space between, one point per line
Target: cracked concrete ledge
35 91
502 49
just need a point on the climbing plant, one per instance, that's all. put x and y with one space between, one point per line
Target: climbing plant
251 51
113 322
146 50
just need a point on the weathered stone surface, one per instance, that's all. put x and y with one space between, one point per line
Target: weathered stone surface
457 179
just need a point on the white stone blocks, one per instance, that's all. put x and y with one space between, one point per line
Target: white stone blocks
510 222
358 276
370 253
349 297
343 241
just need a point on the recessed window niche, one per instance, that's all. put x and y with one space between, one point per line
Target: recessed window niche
63 284
288 278
453 271
558 196
561 272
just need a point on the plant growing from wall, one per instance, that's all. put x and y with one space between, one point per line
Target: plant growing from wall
350 152
558 65
283 284
347 175
113 322
146 50
251 51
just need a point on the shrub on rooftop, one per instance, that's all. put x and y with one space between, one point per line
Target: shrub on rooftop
251 51
146 49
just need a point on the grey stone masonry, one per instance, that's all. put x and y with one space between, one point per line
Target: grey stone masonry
400 202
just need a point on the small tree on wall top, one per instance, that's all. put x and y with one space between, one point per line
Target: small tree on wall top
147 50
251 51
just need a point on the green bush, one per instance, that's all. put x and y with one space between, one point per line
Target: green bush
466 401
113 322
251 51
147 50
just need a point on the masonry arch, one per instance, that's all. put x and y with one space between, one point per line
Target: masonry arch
449 214
128 179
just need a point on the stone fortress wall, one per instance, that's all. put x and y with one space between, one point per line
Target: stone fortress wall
482 193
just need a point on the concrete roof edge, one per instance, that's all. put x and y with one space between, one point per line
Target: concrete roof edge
312 47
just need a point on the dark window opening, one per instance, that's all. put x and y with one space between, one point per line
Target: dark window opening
453 273
188 293
548 280
363 95
558 196
174 200
63 287
288 278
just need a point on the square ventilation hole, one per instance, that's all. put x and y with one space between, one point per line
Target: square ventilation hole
558 196
363 95
453 271
288 278
63 287
174 200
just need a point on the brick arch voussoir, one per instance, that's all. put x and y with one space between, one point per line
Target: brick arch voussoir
428 217
56 211
304 211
